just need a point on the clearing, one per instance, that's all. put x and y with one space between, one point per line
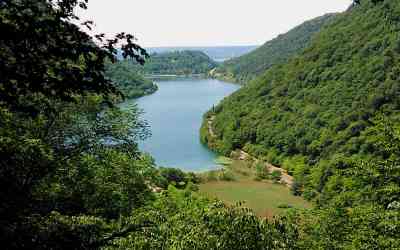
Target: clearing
265 197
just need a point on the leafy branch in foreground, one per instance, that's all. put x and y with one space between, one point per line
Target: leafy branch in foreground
44 52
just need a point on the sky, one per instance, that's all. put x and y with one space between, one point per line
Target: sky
164 23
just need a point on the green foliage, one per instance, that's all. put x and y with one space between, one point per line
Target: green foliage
128 81
83 161
177 63
212 176
226 175
175 177
262 171
315 114
186 221
114 185
245 68
284 206
330 117
46 53
361 227
276 175
69 160
296 189
73 177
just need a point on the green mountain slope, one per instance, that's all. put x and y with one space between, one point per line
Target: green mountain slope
319 114
177 63
247 67
128 80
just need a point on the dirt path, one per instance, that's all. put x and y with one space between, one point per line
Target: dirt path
285 178
210 128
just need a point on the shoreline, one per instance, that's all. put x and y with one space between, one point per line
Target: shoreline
238 154
167 76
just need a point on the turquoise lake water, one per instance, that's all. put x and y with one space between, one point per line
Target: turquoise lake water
175 114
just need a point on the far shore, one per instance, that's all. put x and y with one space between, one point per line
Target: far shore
174 76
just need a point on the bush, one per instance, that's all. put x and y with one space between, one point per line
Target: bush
192 177
273 157
309 194
226 176
284 206
212 176
256 178
276 175
173 175
296 189
261 171
192 187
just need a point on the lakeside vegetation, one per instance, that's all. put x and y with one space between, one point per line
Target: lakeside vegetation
216 53
128 80
245 68
177 63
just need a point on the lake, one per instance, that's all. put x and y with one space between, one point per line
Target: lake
175 115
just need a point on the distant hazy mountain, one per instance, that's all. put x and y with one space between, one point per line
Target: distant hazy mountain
218 53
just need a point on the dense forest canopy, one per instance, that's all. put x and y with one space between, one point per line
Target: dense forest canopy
128 80
330 116
321 114
177 63
247 67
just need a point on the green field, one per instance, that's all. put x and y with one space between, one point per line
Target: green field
263 197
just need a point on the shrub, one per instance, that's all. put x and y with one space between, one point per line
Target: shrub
192 187
173 175
309 194
276 175
296 189
284 206
256 178
261 171
192 177
227 176
212 176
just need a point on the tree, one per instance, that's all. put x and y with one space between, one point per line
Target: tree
56 131
44 53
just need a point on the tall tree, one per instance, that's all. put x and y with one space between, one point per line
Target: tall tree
44 52
55 130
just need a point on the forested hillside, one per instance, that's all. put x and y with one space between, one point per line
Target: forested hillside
321 115
330 116
132 85
247 67
177 63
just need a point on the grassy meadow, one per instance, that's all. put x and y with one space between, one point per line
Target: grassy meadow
237 182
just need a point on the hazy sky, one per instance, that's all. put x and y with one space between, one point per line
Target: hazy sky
205 22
